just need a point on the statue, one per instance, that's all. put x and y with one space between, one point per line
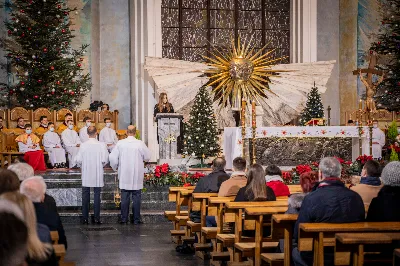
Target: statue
370 88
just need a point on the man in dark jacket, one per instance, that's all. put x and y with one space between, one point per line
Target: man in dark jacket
35 188
211 183
329 202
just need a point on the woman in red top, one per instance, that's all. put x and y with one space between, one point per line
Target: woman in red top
273 177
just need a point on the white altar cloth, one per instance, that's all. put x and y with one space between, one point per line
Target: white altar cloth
232 141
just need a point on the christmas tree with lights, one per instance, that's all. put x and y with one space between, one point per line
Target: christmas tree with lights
44 69
201 134
314 107
388 44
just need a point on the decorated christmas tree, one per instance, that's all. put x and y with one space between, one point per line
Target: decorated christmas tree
201 134
388 44
43 69
314 107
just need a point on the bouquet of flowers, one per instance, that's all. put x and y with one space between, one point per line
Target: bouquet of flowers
357 166
162 175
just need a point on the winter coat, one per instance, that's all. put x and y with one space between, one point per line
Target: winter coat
276 183
242 196
231 186
212 182
385 206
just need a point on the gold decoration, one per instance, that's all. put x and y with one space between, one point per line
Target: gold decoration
171 138
241 74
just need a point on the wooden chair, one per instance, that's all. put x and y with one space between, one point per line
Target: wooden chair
16 113
107 114
59 250
85 113
41 112
323 234
9 147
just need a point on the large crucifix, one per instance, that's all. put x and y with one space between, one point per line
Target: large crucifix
370 86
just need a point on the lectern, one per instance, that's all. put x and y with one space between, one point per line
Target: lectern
169 129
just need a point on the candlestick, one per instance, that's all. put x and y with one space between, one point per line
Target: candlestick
360 105
253 114
243 128
254 126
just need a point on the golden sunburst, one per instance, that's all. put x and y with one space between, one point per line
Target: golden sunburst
240 73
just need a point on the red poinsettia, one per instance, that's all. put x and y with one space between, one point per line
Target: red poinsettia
315 164
164 168
303 168
198 175
187 185
364 158
341 161
287 176
157 171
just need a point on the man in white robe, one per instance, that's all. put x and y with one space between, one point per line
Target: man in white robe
71 143
83 135
108 135
128 157
92 157
378 141
52 144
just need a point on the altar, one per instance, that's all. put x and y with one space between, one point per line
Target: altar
290 146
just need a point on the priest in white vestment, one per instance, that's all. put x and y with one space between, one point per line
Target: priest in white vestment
378 141
71 142
52 144
128 157
83 135
92 157
108 135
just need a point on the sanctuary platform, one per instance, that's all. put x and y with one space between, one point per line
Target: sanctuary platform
65 187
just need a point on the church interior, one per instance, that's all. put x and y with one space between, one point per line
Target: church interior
248 132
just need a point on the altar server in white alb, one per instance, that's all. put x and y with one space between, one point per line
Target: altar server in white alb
108 135
83 135
378 141
128 157
71 142
92 157
52 144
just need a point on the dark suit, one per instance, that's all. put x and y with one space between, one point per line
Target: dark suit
49 217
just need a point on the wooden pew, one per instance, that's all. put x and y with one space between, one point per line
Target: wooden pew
258 214
183 197
295 189
396 257
202 245
355 243
54 237
59 250
323 234
282 224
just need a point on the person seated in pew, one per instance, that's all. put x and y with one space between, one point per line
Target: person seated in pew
71 143
29 144
255 189
370 184
237 180
64 126
35 189
83 135
52 144
384 207
43 125
39 253
20 123
8 181
273 177
210 184
108 135
329 202
307 182
14 234
24 171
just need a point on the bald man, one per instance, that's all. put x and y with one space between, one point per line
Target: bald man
92 157
128 157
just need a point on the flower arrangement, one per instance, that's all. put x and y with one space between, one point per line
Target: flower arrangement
163 175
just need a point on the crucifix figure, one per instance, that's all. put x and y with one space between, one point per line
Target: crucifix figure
370 86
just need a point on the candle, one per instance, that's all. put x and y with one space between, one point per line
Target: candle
243 113
253 113
360 105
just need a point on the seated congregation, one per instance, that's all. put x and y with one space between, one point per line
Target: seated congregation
31 229
61 143
252 217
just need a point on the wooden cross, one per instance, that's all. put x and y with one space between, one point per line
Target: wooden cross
369 84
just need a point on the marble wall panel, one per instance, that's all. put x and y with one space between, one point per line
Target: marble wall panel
66 196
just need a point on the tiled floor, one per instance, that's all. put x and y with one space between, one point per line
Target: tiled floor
147 244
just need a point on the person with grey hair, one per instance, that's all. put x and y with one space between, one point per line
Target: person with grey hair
384 207
14 234
35 188
23 170
329 202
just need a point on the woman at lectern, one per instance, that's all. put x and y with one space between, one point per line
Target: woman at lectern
163 106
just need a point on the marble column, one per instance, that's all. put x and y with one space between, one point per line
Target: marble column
115 57
347 57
